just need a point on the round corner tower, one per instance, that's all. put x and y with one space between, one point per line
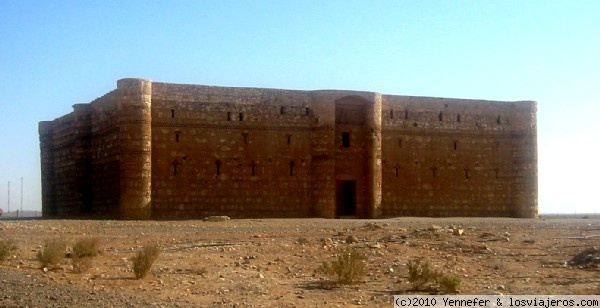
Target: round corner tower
525 161
135 137
46 131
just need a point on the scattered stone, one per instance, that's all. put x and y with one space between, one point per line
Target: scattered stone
374 245
588 257
302 241
435 228
216 218
372 226
458 231
351 239
486 234
388 238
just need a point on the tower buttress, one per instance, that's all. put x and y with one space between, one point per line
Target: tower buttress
45 129
135 155
374 157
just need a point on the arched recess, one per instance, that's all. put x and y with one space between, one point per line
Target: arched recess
351 150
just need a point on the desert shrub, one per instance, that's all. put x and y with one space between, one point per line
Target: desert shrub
347 268
449 284
83 253
52 253
143 261
89 247
421 275
6 248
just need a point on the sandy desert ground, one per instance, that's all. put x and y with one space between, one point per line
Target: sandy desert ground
273 262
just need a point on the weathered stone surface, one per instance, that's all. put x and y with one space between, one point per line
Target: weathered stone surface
158 150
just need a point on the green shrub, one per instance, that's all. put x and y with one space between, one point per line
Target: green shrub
421 275
143 261
83 253
52 253
6 248
347 268
449 284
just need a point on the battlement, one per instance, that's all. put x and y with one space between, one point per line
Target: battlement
159 150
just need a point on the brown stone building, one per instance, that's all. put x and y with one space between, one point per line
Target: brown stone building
159 150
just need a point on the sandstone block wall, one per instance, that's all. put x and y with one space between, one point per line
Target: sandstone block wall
159 150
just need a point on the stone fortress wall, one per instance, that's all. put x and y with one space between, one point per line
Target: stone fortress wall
171 151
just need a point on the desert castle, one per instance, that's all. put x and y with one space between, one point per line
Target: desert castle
150 150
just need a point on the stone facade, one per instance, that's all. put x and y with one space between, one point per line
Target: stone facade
156 150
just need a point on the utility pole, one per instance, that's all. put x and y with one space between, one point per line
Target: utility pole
21 194
8 203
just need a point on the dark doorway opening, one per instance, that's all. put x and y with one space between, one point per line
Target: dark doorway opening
346 198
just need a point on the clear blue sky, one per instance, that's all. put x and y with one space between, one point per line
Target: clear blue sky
57 53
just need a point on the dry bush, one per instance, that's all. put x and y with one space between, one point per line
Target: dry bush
52 253
347 268
449 284
83 253
143 261
421 275
6 248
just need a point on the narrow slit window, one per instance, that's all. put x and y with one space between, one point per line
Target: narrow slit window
241 116
307 111
497 172
245 137
345 139
441 116
405 114
400 143
458 117
397 171
499 120
467 173
281 110
253 168
434 171
177 136
289 139
455 145
292 165
218 167
175 168
392 114
228 116
172 113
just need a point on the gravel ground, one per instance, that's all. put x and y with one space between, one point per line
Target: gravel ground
22 290
273 262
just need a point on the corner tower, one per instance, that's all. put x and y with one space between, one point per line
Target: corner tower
525 157
135 155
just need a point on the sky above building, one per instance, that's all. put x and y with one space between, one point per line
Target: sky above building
54 54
